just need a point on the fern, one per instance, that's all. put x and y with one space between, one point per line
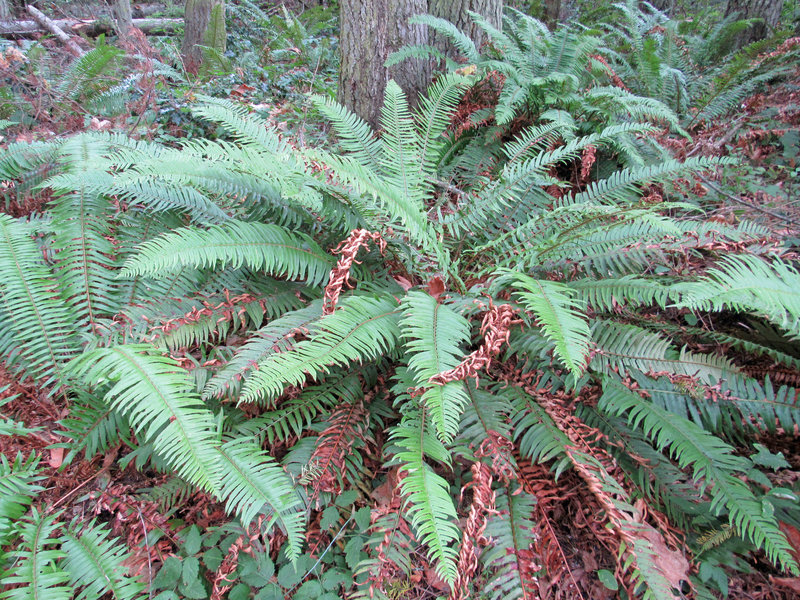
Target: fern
257 246
42 324
712 460
252 480
159 400
364 328
428 503
749 284
36 567
95 563
558 312
432 334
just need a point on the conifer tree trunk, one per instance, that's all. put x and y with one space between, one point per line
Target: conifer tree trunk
204 26
767 10
457 12
5 10
123 17
370 30
552 11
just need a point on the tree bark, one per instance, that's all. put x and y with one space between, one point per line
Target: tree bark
767 10
456 11
5 10
205 26
123 17
552 12
370 30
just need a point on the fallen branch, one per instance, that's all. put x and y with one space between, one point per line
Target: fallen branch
89 27
50 26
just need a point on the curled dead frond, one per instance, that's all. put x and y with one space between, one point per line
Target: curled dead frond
340 274
483 499
495 328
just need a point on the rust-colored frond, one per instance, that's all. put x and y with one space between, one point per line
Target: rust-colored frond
340 274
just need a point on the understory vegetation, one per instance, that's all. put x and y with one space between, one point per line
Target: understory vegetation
535 338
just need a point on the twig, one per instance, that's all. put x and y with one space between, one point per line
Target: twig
733 198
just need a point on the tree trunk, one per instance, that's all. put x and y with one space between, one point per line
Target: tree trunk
204 26
552 12
767 10
370 30
456 11
5 10
123 17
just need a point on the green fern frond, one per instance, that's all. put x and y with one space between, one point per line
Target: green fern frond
158 398
559 313
538 437
433 334
749 284
94 562
427 497
18 488
354 134
275 337
712 460
512 533
462 42
361 329
624 347
42 323
251 481
36 566
258 246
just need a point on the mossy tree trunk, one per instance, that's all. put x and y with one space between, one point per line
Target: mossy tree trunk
769 11
204 26
123 17
370 30
457 12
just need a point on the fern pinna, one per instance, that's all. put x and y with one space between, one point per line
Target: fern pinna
507 332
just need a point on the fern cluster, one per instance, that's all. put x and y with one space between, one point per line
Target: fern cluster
173 296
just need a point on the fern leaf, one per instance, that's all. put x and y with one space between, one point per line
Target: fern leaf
362 329
558 312
35 567
712 460
94 562
158 398
433 334
428 503
252 481
18 488
42 324
257 246
748 283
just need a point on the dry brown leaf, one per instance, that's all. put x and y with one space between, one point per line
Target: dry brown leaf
672 563
793 583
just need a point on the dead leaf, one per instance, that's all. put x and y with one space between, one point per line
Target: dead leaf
672 563
793 583
436 582
793 535
436 287
56 457
403 282
98 125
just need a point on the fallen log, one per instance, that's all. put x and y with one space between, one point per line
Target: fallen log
87 27
50 26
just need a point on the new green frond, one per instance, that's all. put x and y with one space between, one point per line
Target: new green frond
559 313
258 246
433 335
